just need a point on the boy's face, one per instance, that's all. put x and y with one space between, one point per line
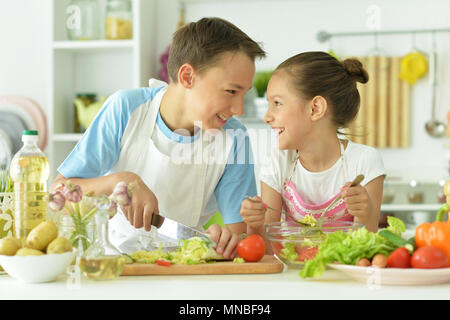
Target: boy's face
218 92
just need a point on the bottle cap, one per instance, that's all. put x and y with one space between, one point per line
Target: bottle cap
29 133
30 136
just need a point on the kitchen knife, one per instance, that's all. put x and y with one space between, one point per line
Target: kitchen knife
174 230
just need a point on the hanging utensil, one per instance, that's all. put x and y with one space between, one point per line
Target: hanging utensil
414 65
434 128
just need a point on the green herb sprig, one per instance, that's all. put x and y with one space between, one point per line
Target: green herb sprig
6 183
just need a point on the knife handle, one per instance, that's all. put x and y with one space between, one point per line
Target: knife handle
157 220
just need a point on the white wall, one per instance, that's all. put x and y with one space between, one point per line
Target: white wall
24 40
289 27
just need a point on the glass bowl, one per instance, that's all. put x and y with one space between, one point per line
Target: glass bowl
294 244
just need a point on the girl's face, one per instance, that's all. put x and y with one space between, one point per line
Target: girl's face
218 93
288 113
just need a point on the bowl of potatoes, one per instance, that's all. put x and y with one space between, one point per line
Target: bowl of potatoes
42 258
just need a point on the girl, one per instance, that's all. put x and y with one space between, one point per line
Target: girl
312 95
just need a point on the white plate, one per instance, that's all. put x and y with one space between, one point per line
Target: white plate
395 276
30 112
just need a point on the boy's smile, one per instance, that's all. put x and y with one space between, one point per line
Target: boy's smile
210 96
217 94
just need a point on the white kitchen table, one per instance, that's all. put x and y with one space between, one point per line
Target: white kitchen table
282 286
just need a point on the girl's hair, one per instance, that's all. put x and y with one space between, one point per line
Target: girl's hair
320 74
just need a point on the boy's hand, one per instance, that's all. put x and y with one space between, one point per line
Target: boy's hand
143 205
226 240
253 212
356 199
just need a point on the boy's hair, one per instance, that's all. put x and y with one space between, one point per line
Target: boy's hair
320 74
201 44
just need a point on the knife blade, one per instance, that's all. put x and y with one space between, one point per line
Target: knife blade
174 230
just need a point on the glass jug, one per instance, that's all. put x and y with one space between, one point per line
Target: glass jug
102 261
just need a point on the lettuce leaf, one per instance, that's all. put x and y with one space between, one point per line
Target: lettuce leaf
288 252
395 225
346 248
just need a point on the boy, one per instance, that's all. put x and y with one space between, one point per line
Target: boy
152 136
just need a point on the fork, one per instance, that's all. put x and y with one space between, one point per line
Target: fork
355 181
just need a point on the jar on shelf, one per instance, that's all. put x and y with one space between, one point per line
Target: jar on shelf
81 102
441 198
82 20
119 20
388 194
415 194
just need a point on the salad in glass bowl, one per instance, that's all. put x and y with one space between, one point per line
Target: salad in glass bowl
295 244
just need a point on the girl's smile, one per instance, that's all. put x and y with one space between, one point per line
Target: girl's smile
287 113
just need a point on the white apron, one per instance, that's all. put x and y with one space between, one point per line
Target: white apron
183 185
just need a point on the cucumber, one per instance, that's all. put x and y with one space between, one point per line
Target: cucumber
397 240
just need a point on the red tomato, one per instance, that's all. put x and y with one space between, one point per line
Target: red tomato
252 248
277 247
306 253
429 257
163 263
400 258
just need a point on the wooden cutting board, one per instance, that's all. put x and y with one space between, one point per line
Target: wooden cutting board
268 264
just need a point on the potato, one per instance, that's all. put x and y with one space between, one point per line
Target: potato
42 235
363 262
379 261
9 246
29 252
59 245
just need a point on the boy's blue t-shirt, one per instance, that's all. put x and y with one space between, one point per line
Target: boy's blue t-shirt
99 149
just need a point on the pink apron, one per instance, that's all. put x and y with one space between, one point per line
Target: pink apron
298 208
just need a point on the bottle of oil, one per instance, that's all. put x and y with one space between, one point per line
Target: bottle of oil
29 171
102 261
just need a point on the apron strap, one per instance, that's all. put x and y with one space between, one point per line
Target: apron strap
344 164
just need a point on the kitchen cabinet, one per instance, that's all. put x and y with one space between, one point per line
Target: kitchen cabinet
94 66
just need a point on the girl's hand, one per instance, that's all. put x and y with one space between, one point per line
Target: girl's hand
357 200
225 239
143 205
253 212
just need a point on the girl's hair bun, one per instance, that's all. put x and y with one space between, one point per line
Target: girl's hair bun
355 69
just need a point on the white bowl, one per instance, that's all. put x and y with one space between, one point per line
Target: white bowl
35 269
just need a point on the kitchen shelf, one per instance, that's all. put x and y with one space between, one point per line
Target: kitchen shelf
410 207
68 137
93 66
96 45
251 120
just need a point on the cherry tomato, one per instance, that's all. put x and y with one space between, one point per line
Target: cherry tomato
252 248
400 258
163 263
429 257
306 253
